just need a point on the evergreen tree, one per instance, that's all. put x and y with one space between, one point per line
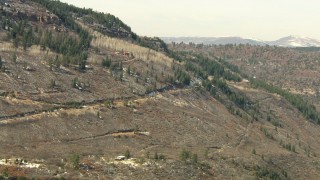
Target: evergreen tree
52 83
156 156
1 63
82 65
127 154
129 71
106 62
74 82
14 58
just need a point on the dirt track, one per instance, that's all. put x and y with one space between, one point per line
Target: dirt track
64 108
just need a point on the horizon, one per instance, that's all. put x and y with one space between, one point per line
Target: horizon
297 36
264 20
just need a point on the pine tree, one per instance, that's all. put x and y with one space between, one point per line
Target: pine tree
127 154
52 83
156 157
1 63
74 82
82 65
14 58
106 63
129 71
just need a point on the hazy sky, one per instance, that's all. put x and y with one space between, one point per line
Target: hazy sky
260 19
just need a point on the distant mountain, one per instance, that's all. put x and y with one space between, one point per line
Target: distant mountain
213 40
290 41
296 41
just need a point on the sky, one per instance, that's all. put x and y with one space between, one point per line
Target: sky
258 19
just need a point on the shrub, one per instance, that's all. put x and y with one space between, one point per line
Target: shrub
75 160
194 159
185 155
254 151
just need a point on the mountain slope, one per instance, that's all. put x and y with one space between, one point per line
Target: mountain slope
295 41
104 23
73 98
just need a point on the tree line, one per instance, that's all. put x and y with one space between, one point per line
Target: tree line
306 108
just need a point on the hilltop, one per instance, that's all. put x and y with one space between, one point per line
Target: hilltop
84 97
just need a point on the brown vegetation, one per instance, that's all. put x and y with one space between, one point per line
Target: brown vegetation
75 123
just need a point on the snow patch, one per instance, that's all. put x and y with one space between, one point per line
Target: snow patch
18 162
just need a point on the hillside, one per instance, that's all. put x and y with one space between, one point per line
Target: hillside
79 89
293 69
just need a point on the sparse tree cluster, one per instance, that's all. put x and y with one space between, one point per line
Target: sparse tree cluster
307 109
182 77
288 146
203 67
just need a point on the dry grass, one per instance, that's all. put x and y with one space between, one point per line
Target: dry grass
139 52
5 46
33 50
